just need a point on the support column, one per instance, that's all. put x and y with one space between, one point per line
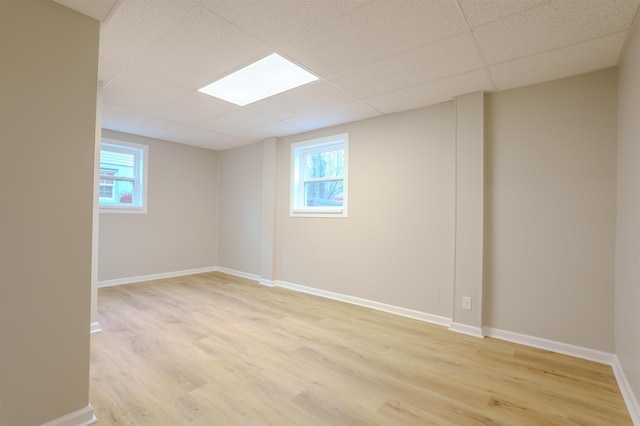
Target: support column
469 240
95 325
269 200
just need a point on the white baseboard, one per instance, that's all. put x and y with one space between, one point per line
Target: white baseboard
579 352
240 274
410 313
265 282
627 392
95 327
551 345
466 329
82 417
141 278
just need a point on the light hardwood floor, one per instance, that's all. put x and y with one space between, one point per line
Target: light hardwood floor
213 349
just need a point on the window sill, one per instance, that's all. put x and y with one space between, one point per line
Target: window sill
319 213
126 210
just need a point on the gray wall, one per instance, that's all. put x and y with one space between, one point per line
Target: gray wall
627 290
550 166
397 245
550 210
240 213
49 71
179 230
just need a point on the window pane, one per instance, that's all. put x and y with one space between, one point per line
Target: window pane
124 192
327 193
319 186
106 192
126 162
116 163
324 164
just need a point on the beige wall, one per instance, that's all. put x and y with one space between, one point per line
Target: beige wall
240 213
396 246
179 230
550 210
627 289
48 111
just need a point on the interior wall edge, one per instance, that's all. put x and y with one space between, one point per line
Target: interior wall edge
627 391
240 274
397 310
159 276
95 327
81 417
551 345
469 330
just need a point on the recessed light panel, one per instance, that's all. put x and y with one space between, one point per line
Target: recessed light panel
267 77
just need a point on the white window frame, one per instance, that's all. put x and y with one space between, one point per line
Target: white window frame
112 184
298 150
140 172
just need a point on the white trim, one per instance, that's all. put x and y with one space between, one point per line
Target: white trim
551 345
633 406
579 352
82 417
95 327
141 278
141 168
265 282
409 313
240 274
466 329
297 192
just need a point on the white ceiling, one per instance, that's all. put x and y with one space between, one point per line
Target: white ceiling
373 57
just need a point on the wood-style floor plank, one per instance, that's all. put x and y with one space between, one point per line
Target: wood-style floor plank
213 349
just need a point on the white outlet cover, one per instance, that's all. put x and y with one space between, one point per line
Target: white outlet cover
466 303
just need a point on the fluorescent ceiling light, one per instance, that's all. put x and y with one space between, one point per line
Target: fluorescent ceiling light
267 77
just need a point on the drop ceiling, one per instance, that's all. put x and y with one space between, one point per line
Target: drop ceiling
373 57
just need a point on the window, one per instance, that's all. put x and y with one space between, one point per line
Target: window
107 192
319 177
123 176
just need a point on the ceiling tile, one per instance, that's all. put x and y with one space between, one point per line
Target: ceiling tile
445 57
373 56
374 31
552 25
277 129
559 63
236 121
118 119
302 99
332 116
139 92
202 49
193 108
192 136
279 21
480 12
431 93
136 24
225 142
108 69
153 127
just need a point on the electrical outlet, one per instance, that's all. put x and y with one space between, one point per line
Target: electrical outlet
466 303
